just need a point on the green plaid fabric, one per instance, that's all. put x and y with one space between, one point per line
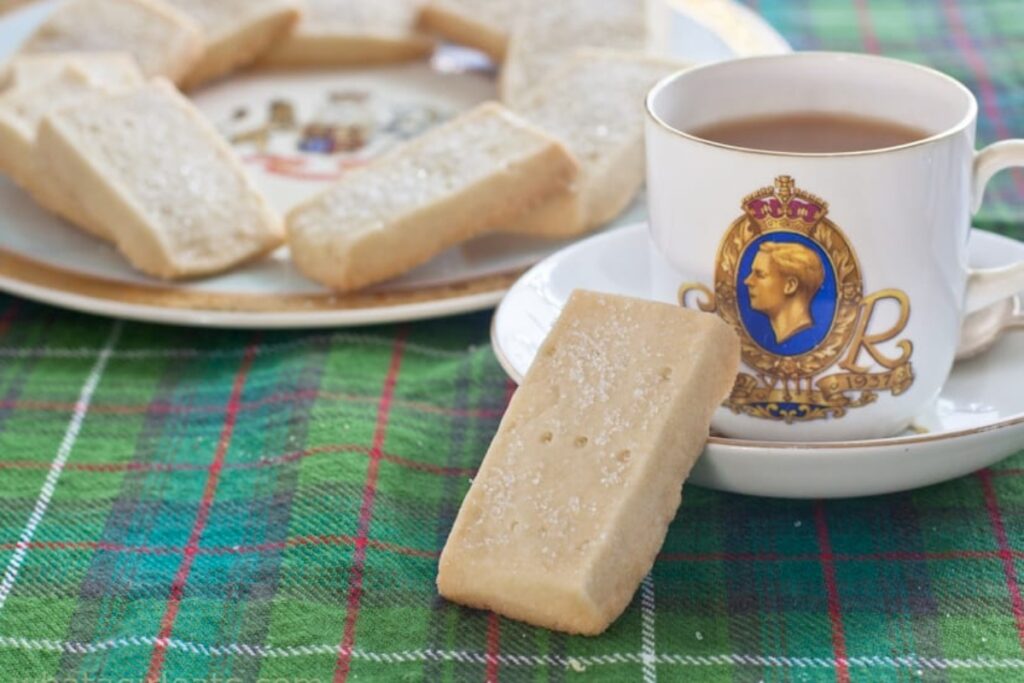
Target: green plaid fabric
188 505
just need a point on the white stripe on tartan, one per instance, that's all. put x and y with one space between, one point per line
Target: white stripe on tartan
280 347
57 466
649 649
414 656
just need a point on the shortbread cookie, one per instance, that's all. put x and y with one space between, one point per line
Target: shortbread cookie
480 24
114 69
350 32
594 103
22 109
547 31
236 32
11 5
461 179
575 495
162 40
149 166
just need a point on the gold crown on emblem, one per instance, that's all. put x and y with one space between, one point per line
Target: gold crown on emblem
785 207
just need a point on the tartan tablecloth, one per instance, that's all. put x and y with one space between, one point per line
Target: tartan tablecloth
193 505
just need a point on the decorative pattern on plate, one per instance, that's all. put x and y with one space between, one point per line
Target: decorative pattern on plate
348 129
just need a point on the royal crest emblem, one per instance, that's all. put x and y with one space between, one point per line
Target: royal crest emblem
341 130
788 280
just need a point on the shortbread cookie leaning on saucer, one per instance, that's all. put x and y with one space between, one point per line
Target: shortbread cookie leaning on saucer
149 166
23 107
115 69
352 32
480 24
459 180
163 41
546 31
594 104
11 5
574 497
236 32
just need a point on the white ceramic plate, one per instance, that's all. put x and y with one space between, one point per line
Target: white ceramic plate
977 421
293 131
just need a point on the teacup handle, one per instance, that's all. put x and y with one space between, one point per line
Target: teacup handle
991 285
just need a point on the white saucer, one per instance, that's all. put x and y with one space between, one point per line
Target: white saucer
978 420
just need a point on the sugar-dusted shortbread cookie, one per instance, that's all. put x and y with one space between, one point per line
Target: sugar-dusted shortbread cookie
480 24
236 32
42 85
574 497
545 31
147 165
162 40
352 32
466 177
107 68
594 103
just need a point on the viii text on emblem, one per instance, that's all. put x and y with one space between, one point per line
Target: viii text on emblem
788 280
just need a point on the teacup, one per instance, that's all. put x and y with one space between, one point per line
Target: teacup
845 274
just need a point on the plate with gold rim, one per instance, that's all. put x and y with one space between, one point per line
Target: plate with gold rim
298 132
977 420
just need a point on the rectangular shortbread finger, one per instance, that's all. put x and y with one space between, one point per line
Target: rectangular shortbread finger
574 497
22 109
163 41
151 168
471 175
236 32
350 32
546 31
114 69
480 24
594 103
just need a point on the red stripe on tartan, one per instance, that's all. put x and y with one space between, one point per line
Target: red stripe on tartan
493 647
867 27
156 662
298 541
989 97
355 594
370 543
5 323
995 516
337 539
262 462
283 397
835 614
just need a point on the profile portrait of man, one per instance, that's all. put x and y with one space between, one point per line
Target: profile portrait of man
784 279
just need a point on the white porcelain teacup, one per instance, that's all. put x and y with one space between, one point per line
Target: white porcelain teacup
845 274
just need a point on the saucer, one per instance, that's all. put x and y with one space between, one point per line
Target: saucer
977 421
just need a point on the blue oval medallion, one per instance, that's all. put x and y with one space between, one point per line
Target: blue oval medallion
786 293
